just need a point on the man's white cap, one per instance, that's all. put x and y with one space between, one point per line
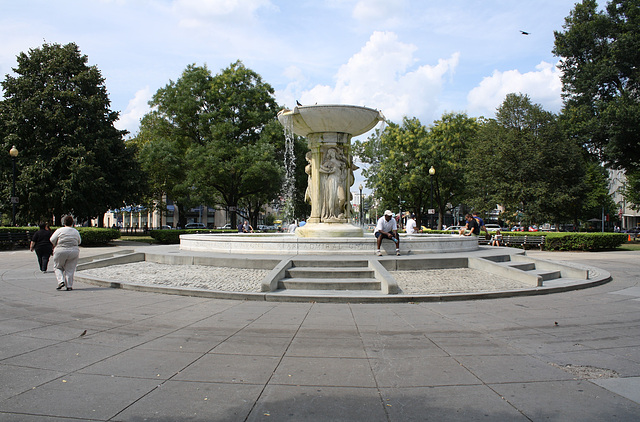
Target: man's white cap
388 212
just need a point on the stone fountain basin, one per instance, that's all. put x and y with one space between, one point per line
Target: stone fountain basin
354 120
290 244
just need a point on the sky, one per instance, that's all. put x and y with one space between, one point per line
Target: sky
415 58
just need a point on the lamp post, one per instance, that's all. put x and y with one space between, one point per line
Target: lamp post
361 202
13 152
432 172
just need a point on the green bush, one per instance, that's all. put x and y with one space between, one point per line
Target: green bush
8 229
96 236
584 241
566 241
166 237
172 237
91 236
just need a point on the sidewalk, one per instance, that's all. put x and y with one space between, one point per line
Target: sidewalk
145 356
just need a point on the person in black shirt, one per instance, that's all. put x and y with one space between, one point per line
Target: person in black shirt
43 247
472 226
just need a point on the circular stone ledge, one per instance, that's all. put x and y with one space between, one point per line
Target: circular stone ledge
598 277
289 244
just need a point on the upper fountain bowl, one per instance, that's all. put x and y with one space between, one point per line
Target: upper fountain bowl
354 120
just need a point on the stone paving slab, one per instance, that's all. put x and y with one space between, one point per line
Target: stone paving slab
149 356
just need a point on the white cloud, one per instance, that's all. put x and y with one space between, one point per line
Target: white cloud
197 12
380 12
542 85
383 75
136 109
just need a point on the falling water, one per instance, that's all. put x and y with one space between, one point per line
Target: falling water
289 187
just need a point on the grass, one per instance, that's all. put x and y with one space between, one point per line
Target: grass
141 239
630 246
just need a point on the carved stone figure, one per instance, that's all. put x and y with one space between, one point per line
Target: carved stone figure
334 173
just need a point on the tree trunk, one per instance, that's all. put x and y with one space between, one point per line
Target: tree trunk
234 215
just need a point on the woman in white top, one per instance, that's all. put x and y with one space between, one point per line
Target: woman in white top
65 242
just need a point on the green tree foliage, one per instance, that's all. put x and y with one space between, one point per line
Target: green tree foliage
400 158
450 141
213 127
522 161
72 159
600 63
597 196
632 189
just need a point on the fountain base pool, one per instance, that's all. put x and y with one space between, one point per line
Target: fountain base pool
290 244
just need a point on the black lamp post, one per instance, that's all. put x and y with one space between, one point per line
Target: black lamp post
13 152
432 172
361 210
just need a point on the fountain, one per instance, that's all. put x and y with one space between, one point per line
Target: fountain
329 129
331 260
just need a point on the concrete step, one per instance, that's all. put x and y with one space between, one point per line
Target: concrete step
92 258
329 284
330 273
523 266
547 274
330 263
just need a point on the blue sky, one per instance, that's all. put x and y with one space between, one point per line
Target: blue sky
405 57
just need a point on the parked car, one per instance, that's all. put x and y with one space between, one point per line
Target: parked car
165 227
493 227
265 228
195 226
454 229
225 227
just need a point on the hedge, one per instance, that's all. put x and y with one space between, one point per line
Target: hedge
172 237
568 241
583 241
91 236
96 236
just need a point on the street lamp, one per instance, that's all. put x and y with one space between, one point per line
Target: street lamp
432 172
13 152
361 202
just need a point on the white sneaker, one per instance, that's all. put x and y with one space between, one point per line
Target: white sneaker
398 252
378 253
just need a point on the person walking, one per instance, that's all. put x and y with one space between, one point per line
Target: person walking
41 244
65 243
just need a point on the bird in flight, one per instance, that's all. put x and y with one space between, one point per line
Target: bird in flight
298 103
524 32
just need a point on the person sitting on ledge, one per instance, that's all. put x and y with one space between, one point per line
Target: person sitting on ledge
472 228
387 228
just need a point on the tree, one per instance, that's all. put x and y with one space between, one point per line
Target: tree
600 63
449 143
400 158
72 158
214 127
167 133
597 197
522 161
632 189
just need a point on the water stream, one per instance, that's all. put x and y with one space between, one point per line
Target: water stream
289 186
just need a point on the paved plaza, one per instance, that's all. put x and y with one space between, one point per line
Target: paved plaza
101 354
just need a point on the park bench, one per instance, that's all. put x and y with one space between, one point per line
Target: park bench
520 241
523 241
13 239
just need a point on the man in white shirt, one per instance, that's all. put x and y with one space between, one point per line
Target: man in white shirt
387 228
411 225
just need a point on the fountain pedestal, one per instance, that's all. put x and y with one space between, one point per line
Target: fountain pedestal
329 129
